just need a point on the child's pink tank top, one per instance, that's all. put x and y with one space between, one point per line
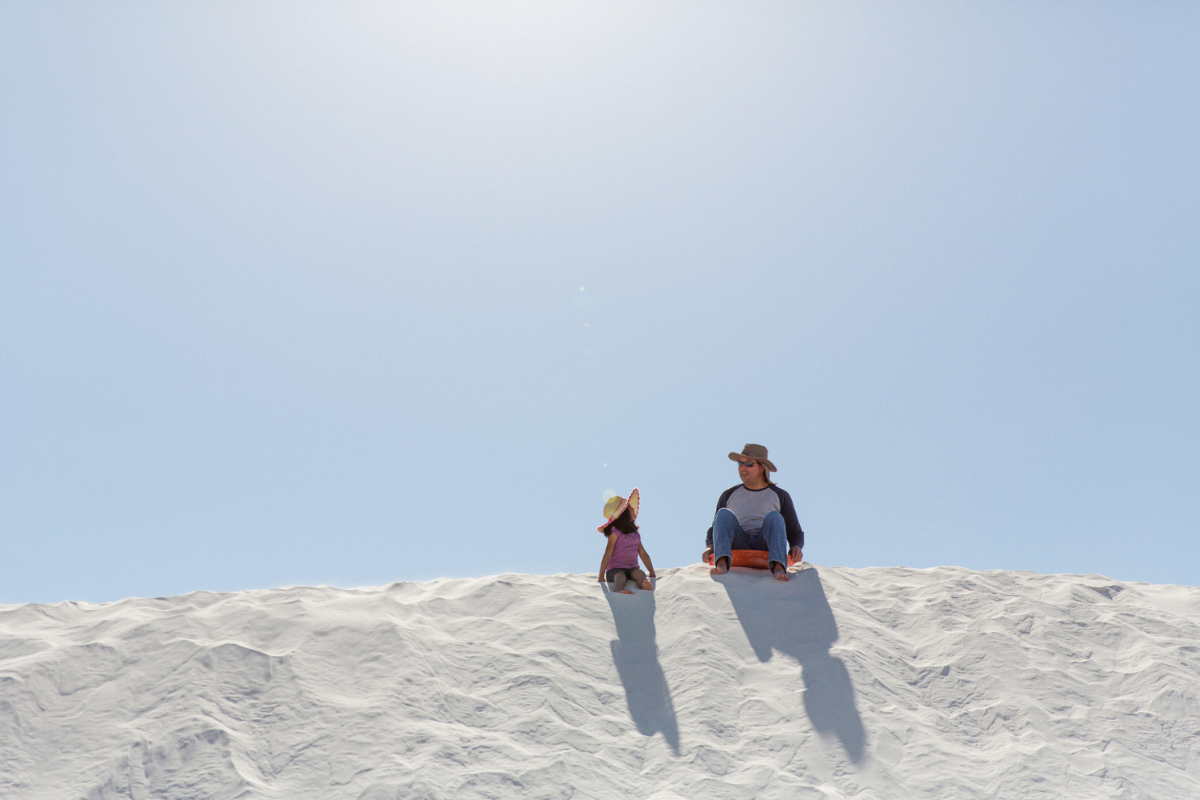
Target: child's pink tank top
625 554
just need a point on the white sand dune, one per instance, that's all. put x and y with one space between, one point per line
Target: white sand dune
874 683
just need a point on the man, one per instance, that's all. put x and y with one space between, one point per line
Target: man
754 515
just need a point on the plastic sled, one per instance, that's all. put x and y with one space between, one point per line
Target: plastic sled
758 559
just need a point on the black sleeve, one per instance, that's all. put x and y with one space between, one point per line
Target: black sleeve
795 534
720 504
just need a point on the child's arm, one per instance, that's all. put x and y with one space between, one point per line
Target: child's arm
608 551
646 560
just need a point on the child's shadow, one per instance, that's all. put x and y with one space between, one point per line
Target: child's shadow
795 619
635 653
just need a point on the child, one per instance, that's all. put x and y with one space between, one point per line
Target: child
624 546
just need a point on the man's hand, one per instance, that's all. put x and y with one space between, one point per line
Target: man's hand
706 554
796 554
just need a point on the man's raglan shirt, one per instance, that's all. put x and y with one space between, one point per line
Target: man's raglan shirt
750 506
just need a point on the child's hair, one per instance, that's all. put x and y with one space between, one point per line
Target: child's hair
623 523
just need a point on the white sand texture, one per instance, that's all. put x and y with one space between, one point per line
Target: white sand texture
865 683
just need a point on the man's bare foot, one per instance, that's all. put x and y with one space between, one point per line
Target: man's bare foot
779 571
720 567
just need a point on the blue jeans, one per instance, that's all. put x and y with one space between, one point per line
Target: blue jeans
728 536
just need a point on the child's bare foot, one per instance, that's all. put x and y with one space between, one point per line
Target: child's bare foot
779 571
624 591
720 567
647 586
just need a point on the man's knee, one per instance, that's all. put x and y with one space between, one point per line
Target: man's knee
725 520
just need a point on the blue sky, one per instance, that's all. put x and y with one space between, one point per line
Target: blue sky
317 293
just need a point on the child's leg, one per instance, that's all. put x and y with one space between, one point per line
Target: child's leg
641 581
619 582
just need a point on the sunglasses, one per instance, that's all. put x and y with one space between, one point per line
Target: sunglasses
747 464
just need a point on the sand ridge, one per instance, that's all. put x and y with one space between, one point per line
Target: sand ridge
871 683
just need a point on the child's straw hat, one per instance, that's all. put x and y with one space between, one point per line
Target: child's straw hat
616 504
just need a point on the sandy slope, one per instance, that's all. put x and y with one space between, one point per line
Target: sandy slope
880 683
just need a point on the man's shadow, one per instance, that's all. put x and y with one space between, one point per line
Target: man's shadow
795 619
635 653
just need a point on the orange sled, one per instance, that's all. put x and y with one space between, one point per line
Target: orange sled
758 559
